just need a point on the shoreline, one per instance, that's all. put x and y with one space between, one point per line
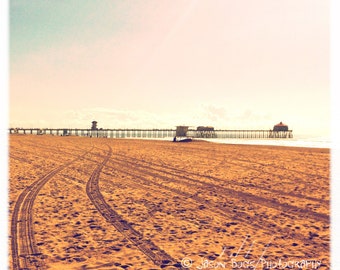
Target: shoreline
250 142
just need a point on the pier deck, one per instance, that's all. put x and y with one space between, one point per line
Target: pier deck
153 133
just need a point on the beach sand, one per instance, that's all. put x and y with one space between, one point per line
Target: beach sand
99 203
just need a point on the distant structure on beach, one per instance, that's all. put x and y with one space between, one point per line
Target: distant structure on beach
94 125
181 131
182 134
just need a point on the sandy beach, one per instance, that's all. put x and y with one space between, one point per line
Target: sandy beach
99 203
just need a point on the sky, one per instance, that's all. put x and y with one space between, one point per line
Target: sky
157 64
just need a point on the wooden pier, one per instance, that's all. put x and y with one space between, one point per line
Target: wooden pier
154 133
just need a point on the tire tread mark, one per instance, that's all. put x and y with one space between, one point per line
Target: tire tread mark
176 171
22 222
146 246
220 210
237 194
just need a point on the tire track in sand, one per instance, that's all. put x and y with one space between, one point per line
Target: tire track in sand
25 253
140 179
222 209
146 246
284 207
163 168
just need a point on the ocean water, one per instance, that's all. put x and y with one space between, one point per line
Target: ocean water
298 141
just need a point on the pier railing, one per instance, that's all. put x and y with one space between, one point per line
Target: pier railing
154 133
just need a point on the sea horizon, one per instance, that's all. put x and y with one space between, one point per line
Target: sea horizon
296 141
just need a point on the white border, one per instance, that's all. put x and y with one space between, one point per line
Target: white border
335 117
335 157
4 62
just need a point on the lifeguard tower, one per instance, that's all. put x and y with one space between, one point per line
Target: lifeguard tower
181 134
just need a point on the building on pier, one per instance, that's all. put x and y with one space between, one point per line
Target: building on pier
280 127
205 132
94 125
280 130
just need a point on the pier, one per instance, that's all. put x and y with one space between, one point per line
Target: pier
155 133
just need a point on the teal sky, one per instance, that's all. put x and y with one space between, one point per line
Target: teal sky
38 25
228 64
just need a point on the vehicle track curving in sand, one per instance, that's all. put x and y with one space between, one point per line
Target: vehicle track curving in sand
159 257
25 252
229 191
256 222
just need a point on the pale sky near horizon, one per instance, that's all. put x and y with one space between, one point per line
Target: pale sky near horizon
158 64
